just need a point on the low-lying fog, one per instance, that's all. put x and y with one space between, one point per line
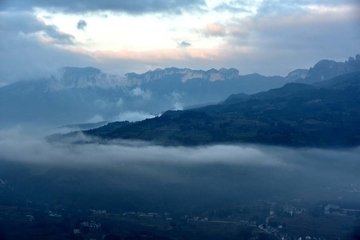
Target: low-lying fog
138 175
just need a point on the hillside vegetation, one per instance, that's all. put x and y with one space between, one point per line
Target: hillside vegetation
326 114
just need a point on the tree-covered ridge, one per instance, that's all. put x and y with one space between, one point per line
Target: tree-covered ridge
321 115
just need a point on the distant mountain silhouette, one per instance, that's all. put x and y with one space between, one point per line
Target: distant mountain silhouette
80 95
297 114
327 69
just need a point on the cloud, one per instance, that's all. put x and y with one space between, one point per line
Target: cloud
53 34
119 102
135 7
28 25
138 92
287 36
161 56
178 106
81 25
33 49
101 103
17 146
276 8
215 30
175 98
95 119
184 44
224 7
267 41
133 116
208 176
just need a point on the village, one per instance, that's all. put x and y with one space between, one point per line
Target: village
262 220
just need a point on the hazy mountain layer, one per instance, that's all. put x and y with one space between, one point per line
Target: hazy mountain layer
327 69
326 115
85 95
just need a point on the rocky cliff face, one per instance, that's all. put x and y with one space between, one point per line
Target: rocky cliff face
89 77
297 74
185 74
327 69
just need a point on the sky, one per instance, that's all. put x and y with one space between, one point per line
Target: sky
270 37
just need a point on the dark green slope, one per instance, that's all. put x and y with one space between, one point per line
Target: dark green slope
297 115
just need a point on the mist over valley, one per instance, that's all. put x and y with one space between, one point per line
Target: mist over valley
170 120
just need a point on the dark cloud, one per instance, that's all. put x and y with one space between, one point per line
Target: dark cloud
28 24
20 22
127 6
81 25
184 44
284 36
27 44
58 36
34 50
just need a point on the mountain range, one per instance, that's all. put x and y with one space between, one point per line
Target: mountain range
85 95
324 114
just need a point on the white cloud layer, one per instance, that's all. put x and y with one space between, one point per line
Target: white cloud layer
133 116
17 146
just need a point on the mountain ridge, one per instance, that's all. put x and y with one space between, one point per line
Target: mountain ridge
76 95
297 115
327 69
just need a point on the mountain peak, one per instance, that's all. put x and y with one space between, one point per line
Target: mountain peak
327 69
